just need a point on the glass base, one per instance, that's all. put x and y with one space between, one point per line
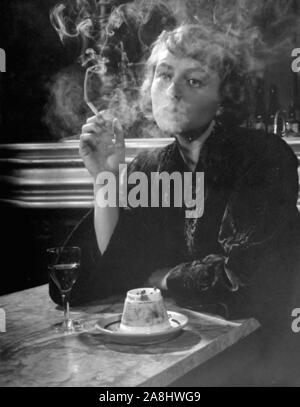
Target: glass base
69 327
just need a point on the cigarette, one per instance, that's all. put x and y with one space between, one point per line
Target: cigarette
92 107
85 93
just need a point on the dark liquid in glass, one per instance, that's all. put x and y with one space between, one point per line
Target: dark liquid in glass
64 275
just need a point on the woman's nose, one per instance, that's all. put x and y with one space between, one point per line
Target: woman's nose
174 90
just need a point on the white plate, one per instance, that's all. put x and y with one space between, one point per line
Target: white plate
110 326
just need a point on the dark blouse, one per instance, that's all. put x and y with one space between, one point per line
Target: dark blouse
242 253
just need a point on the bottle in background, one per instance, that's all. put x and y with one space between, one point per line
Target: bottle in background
297 109
273 107
292 124
260 109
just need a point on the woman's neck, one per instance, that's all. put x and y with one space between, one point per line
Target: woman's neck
191 144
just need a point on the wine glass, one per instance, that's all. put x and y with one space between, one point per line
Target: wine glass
63 267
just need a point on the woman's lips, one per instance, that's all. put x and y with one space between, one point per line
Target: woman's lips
175 113
178 108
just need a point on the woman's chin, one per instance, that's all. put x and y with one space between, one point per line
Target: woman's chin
171 128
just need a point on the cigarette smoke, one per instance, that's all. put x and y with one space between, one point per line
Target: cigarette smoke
116 38
65 112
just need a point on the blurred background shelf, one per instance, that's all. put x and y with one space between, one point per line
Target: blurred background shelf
52 175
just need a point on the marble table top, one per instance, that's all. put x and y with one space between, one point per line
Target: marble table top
33 354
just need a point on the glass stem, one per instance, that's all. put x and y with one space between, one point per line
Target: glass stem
65 300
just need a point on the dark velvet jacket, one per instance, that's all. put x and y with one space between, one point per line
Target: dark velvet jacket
242 253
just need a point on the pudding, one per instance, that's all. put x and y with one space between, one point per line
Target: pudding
144 312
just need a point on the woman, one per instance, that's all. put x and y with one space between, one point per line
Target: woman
241 254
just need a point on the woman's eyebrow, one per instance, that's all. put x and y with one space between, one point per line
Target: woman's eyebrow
164 65
199 70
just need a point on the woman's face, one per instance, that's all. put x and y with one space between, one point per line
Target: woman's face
184 94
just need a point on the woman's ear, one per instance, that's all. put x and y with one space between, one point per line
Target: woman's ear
220 111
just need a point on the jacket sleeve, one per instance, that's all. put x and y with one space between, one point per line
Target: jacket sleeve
128 260
253 235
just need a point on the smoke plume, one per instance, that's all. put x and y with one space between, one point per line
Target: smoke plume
116 38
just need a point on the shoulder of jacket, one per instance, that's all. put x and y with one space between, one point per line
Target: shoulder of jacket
266 145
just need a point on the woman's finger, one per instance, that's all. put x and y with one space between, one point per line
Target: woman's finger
100 127
87 142
106 115
91 128
97 119
103 116
98 133
92 119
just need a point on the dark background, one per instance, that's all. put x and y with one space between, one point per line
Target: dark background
34 53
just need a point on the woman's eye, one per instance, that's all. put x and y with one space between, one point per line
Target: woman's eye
194 83
164 75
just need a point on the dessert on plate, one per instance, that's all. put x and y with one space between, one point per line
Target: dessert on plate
144 312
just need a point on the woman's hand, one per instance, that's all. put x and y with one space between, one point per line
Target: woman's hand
98 148
158 279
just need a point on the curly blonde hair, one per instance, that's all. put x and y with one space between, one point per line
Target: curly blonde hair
221 52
